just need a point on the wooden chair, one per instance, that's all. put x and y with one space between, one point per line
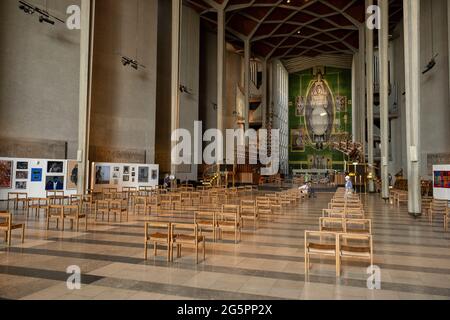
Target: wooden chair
102 208
22 198
358 226
140 205
55 211
402 197
321 244
63 212
74 214
158 238
34 205
88 204
355 247
446 220
332 225
7 225
192 239
118 208
250 213
438 207
152 204
206 221
230 221
76 199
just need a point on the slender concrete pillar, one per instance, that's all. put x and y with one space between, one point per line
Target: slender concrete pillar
413 96
355 113
265 99
86 45
383 44
220 67
175 73
247 82
448 36
369 78
362 86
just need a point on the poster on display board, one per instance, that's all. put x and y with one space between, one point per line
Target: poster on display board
120 175
441 182
34 176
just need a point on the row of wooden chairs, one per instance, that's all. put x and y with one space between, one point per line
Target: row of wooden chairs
66 212
173 234
338 246
343 232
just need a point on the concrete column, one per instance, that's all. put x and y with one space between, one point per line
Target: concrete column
265 99
175 73
362 85
247 82
220 68
413 96
369 79
355 110
383 44
448 36
86 45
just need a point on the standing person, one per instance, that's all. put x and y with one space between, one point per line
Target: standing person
348 185
166 181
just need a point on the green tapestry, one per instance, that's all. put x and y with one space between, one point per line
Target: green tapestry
320 112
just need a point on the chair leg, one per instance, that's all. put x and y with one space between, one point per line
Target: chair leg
145 250
204 250
23 233
196 250
9 237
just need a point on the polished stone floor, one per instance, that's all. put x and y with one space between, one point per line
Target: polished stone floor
414 258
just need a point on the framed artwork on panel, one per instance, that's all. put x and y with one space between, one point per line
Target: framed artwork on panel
21 175
55 167
5 174
21 185
36 175
53 183
72 175
102 175
22 165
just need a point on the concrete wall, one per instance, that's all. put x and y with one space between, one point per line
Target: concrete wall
39 82
208 79
435 113
189 77
124 99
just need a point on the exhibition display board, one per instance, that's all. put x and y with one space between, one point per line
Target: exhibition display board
36 176
120 175
441 182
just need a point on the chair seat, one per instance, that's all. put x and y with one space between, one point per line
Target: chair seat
229 224
328 229
13 227
186 238
355 251
158 236
322 248
205 223
358 231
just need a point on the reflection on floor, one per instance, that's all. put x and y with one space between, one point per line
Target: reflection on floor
414 258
